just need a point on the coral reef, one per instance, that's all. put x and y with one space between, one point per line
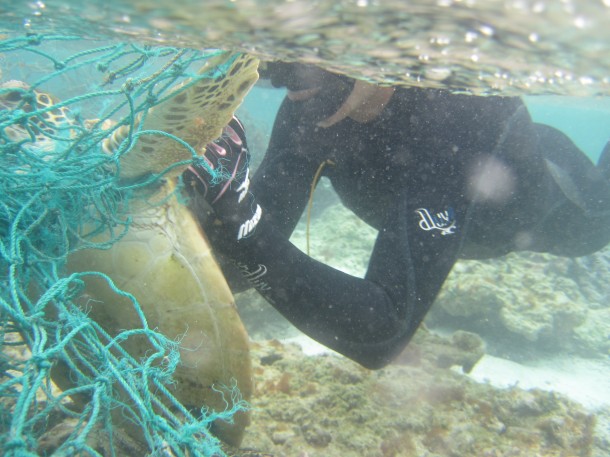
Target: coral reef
548 302
327 406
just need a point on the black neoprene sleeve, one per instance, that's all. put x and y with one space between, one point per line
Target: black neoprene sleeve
369 320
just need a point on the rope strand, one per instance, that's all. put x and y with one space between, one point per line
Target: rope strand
314 183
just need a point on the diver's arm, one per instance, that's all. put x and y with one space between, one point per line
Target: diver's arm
369 320
282 182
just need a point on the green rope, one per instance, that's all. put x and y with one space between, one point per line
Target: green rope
45 201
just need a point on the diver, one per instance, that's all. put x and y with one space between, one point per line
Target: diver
441 176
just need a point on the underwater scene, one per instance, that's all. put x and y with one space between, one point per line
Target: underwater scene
305 228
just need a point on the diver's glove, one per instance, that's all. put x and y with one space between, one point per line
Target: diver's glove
235 211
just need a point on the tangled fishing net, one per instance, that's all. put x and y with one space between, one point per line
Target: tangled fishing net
55 179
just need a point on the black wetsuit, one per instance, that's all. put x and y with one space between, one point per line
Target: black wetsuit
441 177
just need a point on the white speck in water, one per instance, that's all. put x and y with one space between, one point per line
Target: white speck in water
440 40
438 74
491 180
471 36
533 37
362 3
585 80
523 240
486 30
474 58
580 22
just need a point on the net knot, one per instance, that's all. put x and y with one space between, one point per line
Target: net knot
103 382
34 39
176 69
152 99
128 85
20 116
41 362
15 444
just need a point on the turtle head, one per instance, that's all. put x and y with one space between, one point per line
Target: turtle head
39 121
194 114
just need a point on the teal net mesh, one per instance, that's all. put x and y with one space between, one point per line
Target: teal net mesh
55 179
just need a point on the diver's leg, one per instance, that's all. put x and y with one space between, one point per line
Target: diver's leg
578 219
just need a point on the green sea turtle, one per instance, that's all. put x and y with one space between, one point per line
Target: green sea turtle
164 260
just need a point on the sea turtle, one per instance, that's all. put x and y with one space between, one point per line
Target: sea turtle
164 260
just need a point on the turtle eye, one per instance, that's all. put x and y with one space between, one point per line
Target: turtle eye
13 97
43 99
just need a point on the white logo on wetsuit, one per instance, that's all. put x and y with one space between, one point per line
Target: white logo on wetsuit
248 227
254 277
443 221
243 187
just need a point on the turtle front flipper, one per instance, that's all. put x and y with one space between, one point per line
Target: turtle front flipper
196 114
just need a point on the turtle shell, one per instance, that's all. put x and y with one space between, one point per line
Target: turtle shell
165 262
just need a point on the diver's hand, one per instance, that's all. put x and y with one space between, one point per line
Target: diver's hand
364 103
228 192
